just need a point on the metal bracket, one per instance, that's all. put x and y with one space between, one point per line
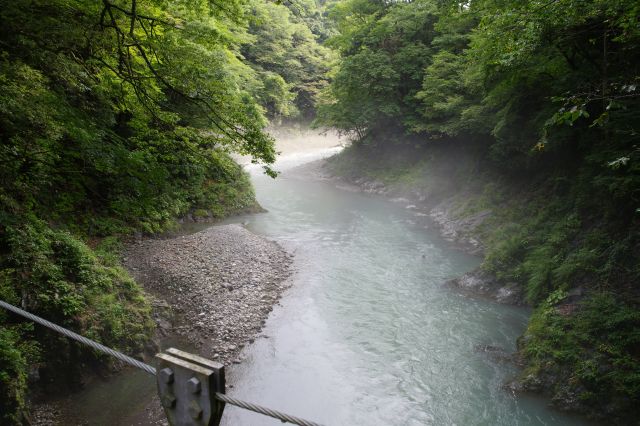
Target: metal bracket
187 385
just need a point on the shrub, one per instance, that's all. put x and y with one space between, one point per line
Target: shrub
55 275
592 354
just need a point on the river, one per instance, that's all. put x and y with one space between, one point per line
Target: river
368 335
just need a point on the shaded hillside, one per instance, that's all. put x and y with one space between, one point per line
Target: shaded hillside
118 117
528 110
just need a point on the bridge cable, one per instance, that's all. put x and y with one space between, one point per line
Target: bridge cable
285 418
75 336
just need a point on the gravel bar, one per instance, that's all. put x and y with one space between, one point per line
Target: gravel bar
219 286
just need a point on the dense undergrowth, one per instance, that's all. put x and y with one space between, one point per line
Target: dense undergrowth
578 268
528 109
119 117
57 276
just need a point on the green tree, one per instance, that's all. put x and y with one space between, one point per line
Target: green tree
385 48
282 44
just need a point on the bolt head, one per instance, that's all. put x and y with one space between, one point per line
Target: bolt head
193 385
194 410
166 375
169 401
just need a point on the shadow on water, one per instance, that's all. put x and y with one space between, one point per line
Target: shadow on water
118 400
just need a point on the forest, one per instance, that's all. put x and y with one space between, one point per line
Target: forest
118 117
532 107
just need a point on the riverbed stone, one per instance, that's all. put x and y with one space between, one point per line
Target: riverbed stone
223 281
485 284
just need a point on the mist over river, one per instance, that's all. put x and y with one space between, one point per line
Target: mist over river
367 335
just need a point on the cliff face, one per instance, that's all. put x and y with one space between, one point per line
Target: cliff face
540 249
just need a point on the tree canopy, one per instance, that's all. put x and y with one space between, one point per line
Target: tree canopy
119 116
511 71
546 95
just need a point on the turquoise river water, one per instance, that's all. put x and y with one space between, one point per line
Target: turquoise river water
368 335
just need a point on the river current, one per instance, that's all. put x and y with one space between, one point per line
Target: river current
368 335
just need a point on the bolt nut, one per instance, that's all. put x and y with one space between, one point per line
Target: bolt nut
166 375
193 385
169 401
194 410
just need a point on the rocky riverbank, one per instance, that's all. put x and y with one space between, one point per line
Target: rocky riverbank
214 288
439 203
211 293
483 284
459 229
442 209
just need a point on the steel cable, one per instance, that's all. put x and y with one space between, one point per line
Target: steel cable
266 411
75 336
285 418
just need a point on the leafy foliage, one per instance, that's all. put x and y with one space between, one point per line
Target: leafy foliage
385 48
290 63
13 376
545 95
119 116
608 374
55 275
